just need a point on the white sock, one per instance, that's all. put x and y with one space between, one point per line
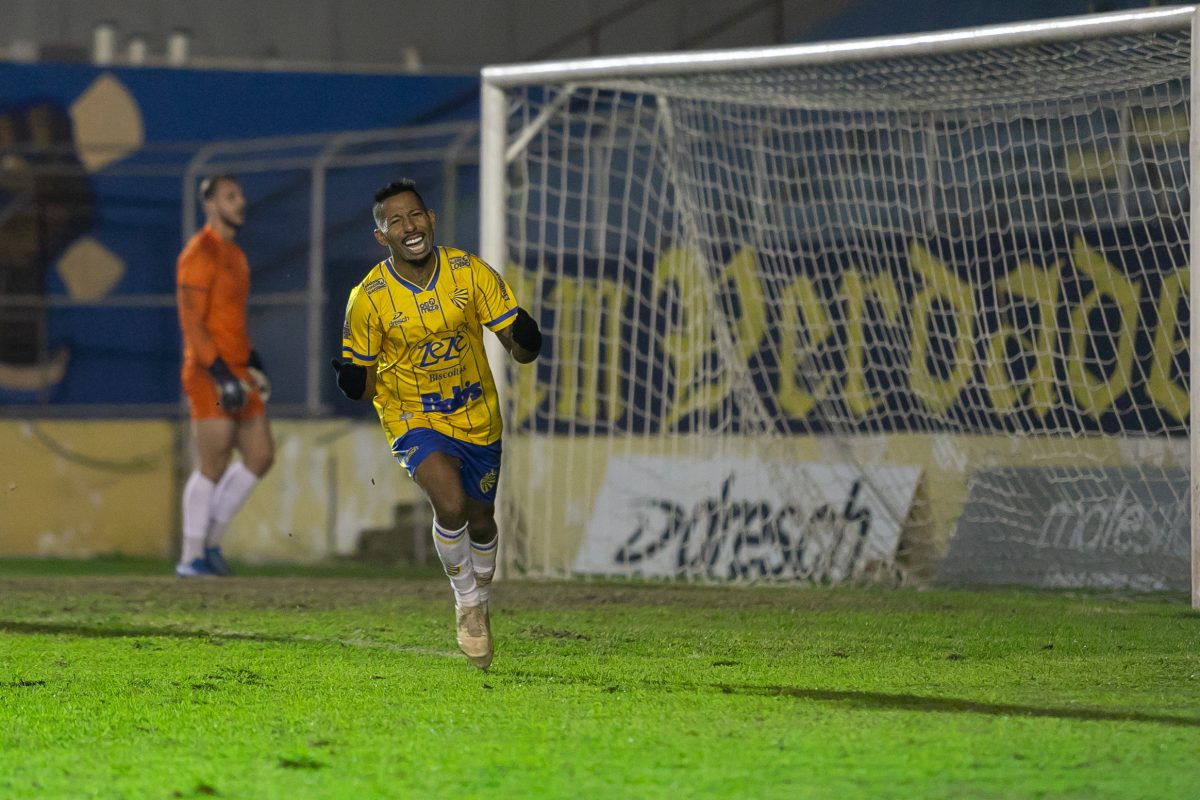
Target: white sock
230 495
483 560
197 504
454 549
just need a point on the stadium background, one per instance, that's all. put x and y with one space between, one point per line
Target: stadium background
101 163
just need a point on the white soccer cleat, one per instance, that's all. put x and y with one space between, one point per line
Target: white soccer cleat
475 634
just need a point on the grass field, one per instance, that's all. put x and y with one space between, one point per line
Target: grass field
118 681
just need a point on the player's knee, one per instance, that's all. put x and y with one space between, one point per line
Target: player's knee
483 529
451 513
260 463
213 468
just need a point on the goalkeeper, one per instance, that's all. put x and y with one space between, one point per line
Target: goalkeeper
413 343
223 378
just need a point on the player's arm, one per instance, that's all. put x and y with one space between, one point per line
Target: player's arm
360 347
523 338
356 381
499 312
193 304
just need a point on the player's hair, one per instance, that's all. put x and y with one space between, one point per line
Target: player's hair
208 186
391 190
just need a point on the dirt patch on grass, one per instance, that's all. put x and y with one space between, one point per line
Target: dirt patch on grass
125 592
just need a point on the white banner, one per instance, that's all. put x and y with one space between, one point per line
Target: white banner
740 518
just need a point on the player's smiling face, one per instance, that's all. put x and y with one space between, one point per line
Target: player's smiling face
409 231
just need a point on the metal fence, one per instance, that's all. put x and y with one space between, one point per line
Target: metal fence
113 349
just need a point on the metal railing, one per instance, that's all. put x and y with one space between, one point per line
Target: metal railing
444 149
398 146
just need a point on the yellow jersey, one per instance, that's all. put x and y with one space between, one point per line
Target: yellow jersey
426 345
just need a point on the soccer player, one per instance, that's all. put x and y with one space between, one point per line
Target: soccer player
223 378
413 342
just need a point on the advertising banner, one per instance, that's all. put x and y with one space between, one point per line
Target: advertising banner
1105 528
743 518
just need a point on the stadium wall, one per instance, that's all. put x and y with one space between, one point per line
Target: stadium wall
83 488
552 535
78 489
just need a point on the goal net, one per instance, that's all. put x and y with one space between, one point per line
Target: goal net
887 310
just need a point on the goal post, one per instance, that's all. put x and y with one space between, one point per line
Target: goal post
886 309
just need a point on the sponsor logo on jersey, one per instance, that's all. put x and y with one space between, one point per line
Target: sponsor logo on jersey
346 329
440 350
405 415
429 305
459 297
447 375
458 262
500 283
433 401
488 481
398 319
374 286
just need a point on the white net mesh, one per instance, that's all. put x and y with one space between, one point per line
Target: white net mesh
832 321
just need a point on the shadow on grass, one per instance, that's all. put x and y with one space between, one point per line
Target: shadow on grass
839 697
954 705
899 702
137 632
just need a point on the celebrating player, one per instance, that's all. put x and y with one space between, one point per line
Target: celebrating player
223 378
413 341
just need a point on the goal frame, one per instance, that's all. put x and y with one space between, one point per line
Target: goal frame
497 150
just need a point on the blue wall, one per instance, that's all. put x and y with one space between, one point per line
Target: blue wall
132 207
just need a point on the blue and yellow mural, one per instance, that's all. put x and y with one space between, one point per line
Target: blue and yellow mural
91 168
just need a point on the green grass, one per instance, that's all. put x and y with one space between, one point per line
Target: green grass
117 680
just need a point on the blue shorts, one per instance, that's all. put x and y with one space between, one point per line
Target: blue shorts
480 462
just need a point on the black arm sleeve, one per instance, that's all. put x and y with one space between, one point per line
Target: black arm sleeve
525 332
351 378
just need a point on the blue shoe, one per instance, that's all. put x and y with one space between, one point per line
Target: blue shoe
197 569
216 562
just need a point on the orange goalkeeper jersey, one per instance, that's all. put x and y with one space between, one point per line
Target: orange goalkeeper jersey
426 345
215 326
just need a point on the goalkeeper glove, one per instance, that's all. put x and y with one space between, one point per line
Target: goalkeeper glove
258 374
230 394
351 378
525 332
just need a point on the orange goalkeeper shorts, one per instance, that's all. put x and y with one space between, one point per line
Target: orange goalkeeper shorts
201 391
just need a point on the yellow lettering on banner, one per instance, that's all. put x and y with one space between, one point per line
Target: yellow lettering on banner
526 393
1040 288
1168 395
688 341
1094 396
859 399
569 345
939 394
804 324
600 304
742 272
